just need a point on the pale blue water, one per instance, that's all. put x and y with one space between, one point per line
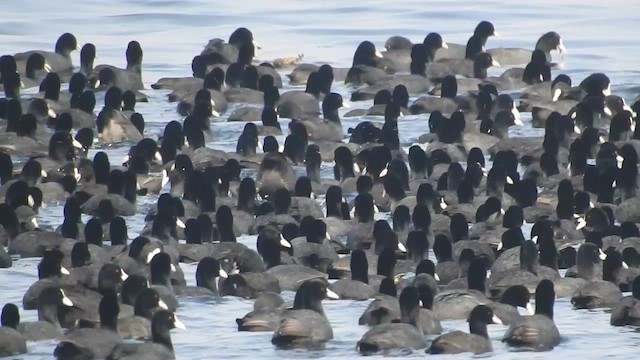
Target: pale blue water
599 36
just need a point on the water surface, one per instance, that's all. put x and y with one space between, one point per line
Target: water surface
599 36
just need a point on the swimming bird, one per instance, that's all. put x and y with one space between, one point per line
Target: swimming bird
625 312
59 61
161 346
147 303
12 341
595 293
265 314
217 51
357 287
549 41
476 341
538 331
328 128
199 70
457 304
112 124
100 341
398 50
129 78
305 325
48 326
207 272
404 335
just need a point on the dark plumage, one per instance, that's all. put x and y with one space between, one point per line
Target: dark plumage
476 341
161 346
538 331
12 342
404 335
305 325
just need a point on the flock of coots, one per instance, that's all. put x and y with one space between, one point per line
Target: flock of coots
464 190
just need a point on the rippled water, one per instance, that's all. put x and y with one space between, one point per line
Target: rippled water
600 36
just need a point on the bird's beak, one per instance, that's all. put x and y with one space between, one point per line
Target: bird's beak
178 324
213 111
153 253
443 204
332 295
444 45
384 171
602 255
162 305
65 300
158 157
561 48
628 108
165 178
530 309
284 242
517 120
